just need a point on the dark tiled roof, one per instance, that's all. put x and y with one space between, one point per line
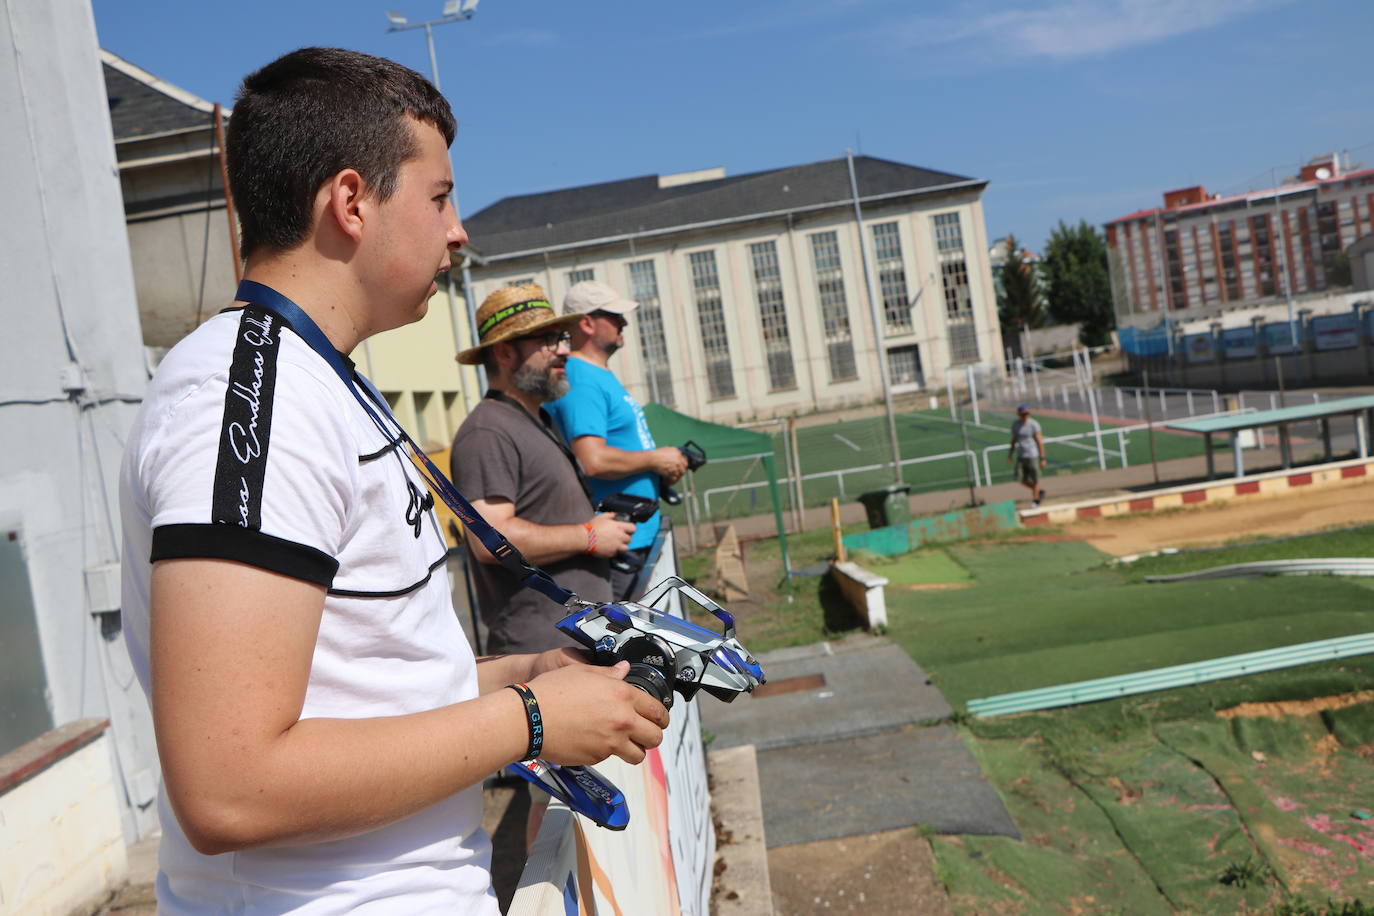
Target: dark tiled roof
138 109
618 208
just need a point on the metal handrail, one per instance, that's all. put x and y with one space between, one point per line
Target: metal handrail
1109 688
868 468
1316 566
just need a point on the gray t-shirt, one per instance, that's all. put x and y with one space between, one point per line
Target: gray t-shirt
1024 434
499 453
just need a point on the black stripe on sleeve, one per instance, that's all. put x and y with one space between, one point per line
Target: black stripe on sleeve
244 545
246 428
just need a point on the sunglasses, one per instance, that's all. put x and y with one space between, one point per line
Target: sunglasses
550 341
614 318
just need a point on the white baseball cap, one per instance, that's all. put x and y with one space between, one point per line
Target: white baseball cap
589 296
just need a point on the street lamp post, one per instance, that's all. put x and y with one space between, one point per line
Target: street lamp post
876 318
453 11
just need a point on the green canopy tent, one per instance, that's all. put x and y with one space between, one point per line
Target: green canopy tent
720 442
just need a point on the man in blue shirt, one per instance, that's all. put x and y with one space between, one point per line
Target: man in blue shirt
603 423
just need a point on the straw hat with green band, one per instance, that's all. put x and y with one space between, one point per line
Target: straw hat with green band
513 311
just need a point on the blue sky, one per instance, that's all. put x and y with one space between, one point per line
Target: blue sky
1070 108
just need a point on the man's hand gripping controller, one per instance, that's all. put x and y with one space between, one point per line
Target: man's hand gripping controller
696 457
628 508
666 654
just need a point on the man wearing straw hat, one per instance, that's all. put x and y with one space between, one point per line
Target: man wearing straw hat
511 464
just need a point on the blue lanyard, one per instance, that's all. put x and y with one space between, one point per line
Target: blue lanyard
503 550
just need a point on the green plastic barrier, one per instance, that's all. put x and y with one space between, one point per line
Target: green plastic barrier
894 540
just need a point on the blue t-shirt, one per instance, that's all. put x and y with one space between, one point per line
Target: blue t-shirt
598 405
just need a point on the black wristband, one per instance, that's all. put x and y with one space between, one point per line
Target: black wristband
533 719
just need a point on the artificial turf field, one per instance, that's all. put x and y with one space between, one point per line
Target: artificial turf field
1155 803
863 442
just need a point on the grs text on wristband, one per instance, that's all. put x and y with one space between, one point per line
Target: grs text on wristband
534 720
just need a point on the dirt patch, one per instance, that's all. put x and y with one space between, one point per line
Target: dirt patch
932 586
883 874
1281 708
1306 510
1039 539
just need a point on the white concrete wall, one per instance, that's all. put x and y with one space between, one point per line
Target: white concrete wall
183 262
170 253
62 849
68 306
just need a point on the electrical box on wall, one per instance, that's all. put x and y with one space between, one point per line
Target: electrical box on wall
73 379
102 588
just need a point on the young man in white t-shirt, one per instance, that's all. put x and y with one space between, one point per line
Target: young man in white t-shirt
322 726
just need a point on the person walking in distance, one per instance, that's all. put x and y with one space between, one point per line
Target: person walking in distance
1028 452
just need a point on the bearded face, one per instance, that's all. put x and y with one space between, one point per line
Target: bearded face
545 382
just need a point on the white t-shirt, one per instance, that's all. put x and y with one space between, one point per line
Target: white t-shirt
248 447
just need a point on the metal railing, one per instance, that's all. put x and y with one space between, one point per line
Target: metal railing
1119 432
1043 388
839 475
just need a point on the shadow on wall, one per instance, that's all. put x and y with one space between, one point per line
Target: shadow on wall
837 613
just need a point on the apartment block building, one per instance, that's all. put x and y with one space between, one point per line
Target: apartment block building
752 289
1201 254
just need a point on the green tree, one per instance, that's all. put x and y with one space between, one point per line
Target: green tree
1080 289
1019 306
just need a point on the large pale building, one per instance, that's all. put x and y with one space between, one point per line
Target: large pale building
1201 254
752 289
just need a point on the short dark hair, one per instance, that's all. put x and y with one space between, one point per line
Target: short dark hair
309 115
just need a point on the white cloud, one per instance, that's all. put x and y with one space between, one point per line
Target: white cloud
1075 28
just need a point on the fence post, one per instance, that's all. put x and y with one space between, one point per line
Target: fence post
949 393
1216 403
1189 395
973 396
1035 376
1139 407
799 495
1163 406
1273 401
1121 441
1120 408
